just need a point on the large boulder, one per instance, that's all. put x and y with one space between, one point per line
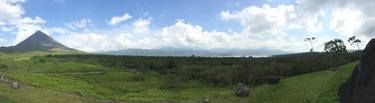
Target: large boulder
241 90
360 88
16 85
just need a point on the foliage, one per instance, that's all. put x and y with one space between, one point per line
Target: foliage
335 46
219 71
311 41
103 78
317 87
171 81
353 40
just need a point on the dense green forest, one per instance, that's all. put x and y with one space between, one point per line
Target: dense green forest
218 71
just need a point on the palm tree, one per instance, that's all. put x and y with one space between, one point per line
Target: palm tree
353 40
311 41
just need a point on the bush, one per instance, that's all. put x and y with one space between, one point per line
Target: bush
171 81
139 77
3 66
216 70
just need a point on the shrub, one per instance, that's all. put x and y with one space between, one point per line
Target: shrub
3 66
171 81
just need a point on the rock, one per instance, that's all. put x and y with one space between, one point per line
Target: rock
242 90
274 80
2 78
15 85
360 88
206 100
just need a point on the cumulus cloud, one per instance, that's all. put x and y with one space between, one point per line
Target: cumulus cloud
119 19
26 27
344 17
181 34
11 10
263 26
141 26
349 17
80 24
2 41
262 20
12 20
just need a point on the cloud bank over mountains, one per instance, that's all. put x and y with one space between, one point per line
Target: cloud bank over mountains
282 27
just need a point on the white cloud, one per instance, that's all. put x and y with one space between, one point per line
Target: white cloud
26 27
13 21
141 26
80 24
346 24
2 41
182 34
262 27
179 35
345 13
346 17
264 20
10 10
119 19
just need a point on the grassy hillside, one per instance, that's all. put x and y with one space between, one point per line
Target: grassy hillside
74 82
318 87
52 81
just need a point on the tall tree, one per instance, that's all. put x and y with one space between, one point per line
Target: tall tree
335 46
353 40
311 41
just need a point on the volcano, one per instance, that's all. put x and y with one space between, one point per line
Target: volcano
39 41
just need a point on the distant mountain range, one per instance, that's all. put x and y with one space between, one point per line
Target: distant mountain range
39 41
190 52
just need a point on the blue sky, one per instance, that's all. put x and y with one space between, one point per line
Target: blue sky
163 12
102 25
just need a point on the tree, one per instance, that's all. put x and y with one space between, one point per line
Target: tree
353 40
335 46
311 41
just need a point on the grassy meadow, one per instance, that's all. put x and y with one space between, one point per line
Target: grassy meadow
69 81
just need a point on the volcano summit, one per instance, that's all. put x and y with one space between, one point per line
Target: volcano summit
39 41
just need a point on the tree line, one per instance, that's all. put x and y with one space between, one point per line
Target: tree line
216 71
335 45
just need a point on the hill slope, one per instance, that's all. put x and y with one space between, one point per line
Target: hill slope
318 87
59 82
39 41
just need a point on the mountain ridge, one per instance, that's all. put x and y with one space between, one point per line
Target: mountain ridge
38 41
197 52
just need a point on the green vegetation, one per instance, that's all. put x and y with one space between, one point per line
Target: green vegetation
6 100
218 71
311 41
98 78
318 87
353 40
335 46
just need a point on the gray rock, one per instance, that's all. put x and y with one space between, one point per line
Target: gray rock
360 88
16 85
241 90
206 100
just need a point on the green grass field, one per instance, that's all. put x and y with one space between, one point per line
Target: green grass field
72 82
318 87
